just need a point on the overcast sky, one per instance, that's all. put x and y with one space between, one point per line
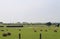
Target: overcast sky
29 11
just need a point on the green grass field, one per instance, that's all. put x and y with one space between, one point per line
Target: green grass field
28 33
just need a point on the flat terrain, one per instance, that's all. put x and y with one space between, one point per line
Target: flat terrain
31 32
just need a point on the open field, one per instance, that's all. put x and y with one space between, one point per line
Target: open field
31 32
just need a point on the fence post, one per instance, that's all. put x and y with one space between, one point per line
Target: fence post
19 36
40 36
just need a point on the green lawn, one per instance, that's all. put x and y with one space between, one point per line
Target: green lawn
28 33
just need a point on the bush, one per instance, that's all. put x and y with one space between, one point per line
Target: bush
55 30
46 30
19 29
48 24
9 33
41 30
57 25
35 31
2 30
4 34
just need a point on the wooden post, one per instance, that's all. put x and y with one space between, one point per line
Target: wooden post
19 36
40 36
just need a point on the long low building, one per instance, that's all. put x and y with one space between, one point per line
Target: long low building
10 25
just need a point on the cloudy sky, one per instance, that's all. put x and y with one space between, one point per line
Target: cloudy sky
29 11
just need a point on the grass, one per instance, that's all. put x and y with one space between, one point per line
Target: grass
28 33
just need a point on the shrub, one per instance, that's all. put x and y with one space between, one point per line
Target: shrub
41 30
57 25
4 34
35 31
55 30
9 33
2 30
46 30
48 24
19 29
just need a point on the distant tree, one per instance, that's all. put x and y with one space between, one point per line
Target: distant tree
25 23
57 25
18 23
1 22
48 23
